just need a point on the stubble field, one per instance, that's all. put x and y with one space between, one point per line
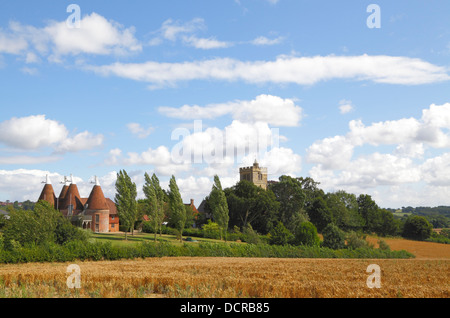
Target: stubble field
425 276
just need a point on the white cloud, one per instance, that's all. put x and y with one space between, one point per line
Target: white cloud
369 171
270 109
82 141
345 106
160 158
113 157
262 40
194 187
408 168
29 70
206 43
32 132
187 32
285 69
281 161
331 153
387 132
96 35
24 184
27 160
435 171
437 115
429 130
37 132
12 44
140 131
172 29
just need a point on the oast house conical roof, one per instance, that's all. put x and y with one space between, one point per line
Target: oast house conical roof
72 197
48 194
97 199
63 193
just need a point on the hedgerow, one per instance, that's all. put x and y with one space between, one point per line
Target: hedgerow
96 251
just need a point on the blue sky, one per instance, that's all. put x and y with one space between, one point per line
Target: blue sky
322 94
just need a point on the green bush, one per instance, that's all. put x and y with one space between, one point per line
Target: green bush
356 240
417 228
333 237
211 230
382 245
250 236
306 234
94 251
280 235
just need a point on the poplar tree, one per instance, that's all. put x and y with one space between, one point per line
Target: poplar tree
125 200
155 198
219 206
178 212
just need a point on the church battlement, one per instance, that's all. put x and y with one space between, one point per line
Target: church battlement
255 174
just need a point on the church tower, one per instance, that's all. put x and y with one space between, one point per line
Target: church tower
255 174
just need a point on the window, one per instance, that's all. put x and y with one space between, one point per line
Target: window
97 218
112 217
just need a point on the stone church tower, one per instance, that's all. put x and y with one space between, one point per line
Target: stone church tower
255 174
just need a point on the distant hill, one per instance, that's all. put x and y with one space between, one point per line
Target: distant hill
438 216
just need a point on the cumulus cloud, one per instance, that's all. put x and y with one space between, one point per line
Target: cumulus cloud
187 32
410 164
271 109
32 132
206 43
139 131
37 132
96 36
331 153
82 141
160 158
262 40
345 106
26 184
284 70
11 44
27 160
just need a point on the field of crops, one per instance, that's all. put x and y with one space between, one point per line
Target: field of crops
425 276
229 277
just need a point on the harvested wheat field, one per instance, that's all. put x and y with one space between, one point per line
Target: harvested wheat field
421 249
230 277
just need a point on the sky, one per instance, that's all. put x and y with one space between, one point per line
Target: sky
354 94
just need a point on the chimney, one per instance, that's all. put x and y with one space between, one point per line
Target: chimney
192 201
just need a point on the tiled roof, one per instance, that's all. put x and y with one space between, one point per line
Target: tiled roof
48 194
97 199
72 197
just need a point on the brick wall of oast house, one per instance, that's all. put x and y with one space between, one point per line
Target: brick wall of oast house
113 213
113 223
103 220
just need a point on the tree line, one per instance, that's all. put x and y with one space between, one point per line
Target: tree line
287 212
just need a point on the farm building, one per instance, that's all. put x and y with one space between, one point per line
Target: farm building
95 212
